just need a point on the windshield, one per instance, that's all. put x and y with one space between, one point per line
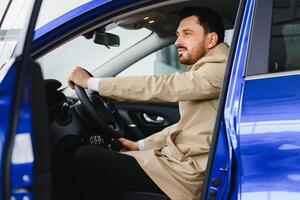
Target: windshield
3 6
53 9
85 53
11 29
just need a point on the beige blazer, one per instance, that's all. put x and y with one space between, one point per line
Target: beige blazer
176 157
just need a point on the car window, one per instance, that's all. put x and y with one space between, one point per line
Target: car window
49 10
285 36
11 29
164 61
85 53
3 5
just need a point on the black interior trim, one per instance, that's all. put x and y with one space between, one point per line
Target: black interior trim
130 113
223 95
40 136
133 195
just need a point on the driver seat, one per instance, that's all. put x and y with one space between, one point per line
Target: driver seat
133 195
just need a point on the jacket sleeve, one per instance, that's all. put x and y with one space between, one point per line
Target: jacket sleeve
201 84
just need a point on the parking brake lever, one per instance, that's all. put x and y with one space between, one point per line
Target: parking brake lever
64 117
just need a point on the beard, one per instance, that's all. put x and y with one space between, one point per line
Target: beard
188 56
184 56
185 59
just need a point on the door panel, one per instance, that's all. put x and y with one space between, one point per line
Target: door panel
15 125
269 138
142 119
268 127
6 96
222 170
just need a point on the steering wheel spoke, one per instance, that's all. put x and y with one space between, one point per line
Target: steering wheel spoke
100 113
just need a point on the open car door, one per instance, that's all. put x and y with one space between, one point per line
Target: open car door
22 127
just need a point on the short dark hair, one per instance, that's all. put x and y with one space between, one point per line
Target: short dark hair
210 20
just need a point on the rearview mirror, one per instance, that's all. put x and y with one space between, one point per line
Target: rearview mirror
103 38
106 39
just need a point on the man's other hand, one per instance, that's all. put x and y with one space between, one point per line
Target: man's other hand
79 77
128 145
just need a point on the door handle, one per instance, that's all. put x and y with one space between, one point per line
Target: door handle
157 120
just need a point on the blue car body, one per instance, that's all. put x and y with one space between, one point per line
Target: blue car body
256 147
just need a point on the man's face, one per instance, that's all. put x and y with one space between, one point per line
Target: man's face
191 41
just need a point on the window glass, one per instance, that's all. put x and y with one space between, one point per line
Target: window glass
285 36
11 29
3 5
55 8
164 61
85 53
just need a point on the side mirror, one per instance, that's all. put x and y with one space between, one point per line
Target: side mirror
106 39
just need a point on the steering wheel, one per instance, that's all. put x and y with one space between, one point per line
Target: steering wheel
100 113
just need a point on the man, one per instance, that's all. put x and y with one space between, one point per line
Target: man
173 160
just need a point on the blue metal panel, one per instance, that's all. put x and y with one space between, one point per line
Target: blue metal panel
14 118
226 154
233 100
270 138
21 172
69 16
220 167
6 91
21 168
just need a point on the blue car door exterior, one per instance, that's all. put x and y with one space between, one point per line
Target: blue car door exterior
222 164
257 143
15 144
269 112
256 148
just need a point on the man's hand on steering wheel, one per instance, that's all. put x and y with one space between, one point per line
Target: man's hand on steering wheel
79 77
101 116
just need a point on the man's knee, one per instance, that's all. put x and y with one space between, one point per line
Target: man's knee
83 156
88 157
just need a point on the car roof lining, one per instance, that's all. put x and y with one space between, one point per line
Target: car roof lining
164 31
167 18
227 10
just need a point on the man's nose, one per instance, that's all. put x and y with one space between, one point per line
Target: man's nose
178 41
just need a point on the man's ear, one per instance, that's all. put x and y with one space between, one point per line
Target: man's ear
212 39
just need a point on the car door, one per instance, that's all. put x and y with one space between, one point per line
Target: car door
143 119
23 174
222 172
257 153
